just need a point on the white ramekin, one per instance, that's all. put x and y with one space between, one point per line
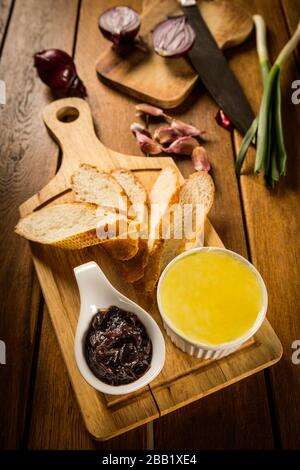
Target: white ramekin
202 350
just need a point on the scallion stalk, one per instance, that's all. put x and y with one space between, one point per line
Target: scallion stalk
271 155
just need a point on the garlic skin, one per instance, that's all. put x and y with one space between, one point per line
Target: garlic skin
136 127
200 159
145 141
182 146
185 129
166 135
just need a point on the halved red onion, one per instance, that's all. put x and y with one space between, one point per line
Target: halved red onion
119 24
173 37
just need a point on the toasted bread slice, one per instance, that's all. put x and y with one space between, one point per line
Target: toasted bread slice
197 191
133 269
164 193
95 186
79 225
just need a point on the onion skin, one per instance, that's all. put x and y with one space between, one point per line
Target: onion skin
120 25
173 37
223 120
57 70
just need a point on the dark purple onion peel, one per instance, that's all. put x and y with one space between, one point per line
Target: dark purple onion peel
223 120
57 70
173 37
119 25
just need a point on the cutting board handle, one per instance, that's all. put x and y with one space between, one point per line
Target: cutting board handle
70 122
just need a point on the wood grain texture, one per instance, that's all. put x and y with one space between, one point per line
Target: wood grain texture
56 431
291 10
5 7
106 105
226 217
142 73
273 224
28 158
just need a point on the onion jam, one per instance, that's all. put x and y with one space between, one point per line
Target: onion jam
118 349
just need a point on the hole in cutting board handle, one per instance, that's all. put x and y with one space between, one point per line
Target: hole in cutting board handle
67 114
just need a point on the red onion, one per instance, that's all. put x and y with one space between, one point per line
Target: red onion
223 120
57 70
173 37
200 159
119 25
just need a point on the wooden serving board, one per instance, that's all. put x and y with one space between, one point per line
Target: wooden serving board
143 74
183 378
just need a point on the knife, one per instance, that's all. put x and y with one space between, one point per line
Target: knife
210 63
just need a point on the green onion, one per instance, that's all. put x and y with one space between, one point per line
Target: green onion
267 129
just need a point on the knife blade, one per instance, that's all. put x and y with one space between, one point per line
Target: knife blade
211 65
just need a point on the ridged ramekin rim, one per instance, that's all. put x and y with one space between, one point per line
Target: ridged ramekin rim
230 344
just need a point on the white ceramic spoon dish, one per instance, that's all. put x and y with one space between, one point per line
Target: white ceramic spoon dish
96 292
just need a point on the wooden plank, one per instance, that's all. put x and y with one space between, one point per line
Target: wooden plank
273 224
89 42
291 9
28 158
226 217
5 7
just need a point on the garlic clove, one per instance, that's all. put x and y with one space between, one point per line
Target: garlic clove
144 108
200 159
185 129
147 144
136 127
182 145
166 135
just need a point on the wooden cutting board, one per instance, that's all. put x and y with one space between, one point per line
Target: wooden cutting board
167 82
184 378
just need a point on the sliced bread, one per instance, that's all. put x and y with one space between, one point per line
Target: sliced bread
133 270
79 225
95 186
197 191
164 193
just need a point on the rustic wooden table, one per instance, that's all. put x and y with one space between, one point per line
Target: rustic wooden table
37 406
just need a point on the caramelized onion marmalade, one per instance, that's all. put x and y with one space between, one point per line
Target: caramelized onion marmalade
118 349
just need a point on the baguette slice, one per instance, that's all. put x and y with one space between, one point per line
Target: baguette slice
95 186
198 189
164 193
75 226
133 269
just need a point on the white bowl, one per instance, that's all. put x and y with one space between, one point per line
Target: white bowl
202 350
97 292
